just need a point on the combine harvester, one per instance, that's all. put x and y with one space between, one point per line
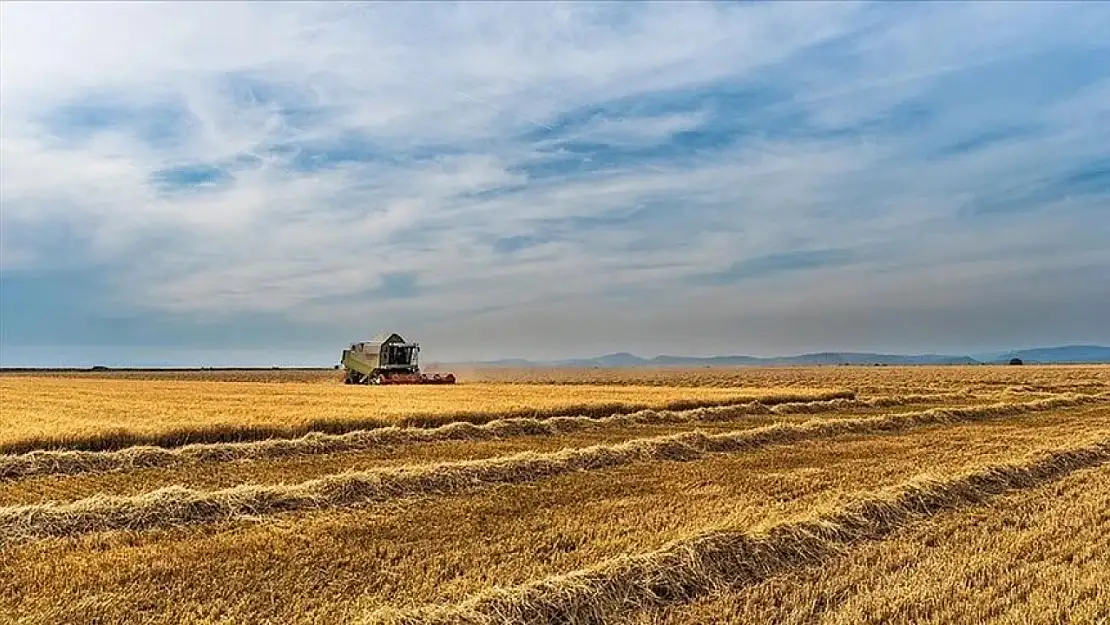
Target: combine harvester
388 359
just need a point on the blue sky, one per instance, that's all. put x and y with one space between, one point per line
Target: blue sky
257 183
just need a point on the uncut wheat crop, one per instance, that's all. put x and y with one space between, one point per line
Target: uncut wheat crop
100 411
777 495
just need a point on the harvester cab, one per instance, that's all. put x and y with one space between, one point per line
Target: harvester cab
387 359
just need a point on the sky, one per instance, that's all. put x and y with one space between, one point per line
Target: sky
263 183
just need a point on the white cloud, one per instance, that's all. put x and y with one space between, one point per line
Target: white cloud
451 109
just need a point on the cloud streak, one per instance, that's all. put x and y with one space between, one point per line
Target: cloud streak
552 179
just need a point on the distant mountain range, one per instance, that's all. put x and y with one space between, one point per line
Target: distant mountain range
1044 355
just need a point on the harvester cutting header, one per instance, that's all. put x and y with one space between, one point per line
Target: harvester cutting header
387 359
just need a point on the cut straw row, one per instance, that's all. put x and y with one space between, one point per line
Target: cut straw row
72 462
234 432
685 570
176 505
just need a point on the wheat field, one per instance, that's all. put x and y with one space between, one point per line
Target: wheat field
102 412
776 495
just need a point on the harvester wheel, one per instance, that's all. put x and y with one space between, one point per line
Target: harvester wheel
356 377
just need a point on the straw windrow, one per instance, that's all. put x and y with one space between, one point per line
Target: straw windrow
237 432
685 570
17 466
178 506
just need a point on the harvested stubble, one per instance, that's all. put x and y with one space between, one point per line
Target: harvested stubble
15 466
690 568
231 374
1035 557
177 506
100 414
296 469
865 379
329 566
869 380
301 468
882 401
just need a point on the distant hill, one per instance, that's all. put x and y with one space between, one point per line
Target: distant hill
1079 354
850 358
1063 354
622 359
1045 355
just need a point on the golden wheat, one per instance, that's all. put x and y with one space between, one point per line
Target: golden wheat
1040 556
692 567
869 380
296 469
93 414
175 506
76 462
556 503
328 566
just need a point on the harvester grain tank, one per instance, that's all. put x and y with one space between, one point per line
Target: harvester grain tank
387 359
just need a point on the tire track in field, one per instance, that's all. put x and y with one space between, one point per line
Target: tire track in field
687 569
38 463
173 506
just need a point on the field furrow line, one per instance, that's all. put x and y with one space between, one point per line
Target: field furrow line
74 462
690 568
178 506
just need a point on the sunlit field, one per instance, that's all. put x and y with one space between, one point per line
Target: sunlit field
108 412
788 495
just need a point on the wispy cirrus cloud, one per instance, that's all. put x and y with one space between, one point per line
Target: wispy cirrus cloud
553 179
